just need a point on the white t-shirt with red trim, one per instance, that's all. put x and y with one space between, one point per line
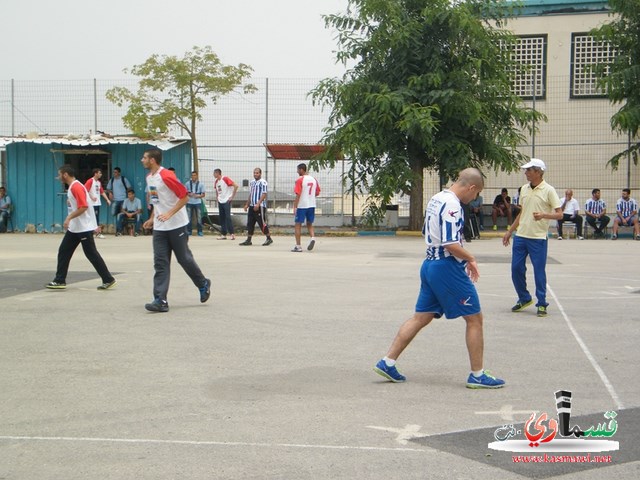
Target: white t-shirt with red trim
78 197
164 191
94 187
224 189
308 189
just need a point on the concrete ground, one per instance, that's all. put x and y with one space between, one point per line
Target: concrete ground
272 378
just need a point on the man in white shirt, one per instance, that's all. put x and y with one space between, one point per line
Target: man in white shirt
570 213
79 225
225 189
304 206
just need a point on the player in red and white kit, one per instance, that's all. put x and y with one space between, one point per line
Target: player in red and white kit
79 225
304 206
169 222
94 187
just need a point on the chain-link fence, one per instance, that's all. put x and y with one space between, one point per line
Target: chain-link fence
576 141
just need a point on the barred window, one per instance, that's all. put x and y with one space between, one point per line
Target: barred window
531 52
590 60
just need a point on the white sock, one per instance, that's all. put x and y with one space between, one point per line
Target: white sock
389 361
478 373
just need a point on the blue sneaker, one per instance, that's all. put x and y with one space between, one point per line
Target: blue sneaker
390 373
205 291
486 380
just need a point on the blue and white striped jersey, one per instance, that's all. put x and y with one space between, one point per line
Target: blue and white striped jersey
443 224
258 187
595 207
627 206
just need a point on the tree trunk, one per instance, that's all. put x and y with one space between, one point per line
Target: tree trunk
194 146
416 202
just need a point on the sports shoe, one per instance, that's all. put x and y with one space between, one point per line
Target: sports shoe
614 237
495 227
267 242
157 306
518 307
233 237
312 244
390 373
200 234
56 285
205 291
580 238
136 234
637 237
107 285
118 234
486 380
100 235
559 238
221 237
296 249
542 311
245 243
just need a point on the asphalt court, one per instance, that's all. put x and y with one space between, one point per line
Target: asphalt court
273 377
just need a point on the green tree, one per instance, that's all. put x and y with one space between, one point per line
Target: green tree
174 91
430 88
622 83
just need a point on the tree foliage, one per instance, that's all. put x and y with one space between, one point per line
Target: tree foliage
174 91
622 84
430 88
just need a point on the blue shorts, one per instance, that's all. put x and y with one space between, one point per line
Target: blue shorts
305 215
446 288
626 224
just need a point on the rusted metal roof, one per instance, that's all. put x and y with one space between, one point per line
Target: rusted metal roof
294 151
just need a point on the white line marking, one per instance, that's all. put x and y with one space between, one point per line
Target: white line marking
587 353
209 443
405 434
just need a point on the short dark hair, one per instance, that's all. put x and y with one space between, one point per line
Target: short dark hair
131 190
96 170
194 172
217 170
117 169
504 190
154 153
302 166
627 190
68 169
594 191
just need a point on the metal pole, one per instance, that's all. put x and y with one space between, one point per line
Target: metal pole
533 130
342 195
13 109
266 129
95 106
628 159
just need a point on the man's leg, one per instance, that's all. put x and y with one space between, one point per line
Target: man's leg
120 222
616 223
538 256
407 332
68 245
578 221
519 269
92 254
161 264
591 221
560 223
180 246
475 341
298 232
223 219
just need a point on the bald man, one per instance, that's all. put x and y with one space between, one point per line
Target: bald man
447 277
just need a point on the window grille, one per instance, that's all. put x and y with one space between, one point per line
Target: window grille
590 60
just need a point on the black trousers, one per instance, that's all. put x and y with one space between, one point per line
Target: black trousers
68 246
603 221
260 217
568 218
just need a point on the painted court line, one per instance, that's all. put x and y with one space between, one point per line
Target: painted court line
587 353
148 441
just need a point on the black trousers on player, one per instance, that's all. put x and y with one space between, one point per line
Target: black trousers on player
69 243
257 216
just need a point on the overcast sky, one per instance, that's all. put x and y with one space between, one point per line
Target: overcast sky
80 39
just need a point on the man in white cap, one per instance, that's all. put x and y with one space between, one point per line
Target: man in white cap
540 203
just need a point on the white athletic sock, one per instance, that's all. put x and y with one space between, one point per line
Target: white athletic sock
478 373
390 362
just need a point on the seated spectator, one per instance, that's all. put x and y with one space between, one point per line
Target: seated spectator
5 209
501 208
627 210
515 204
595 211
570 213
476 209
131 209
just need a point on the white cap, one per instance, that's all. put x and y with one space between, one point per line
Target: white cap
535 162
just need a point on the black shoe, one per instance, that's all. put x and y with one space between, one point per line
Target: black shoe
267 242
107 285
205 291
246 243
518 307
157 306
56 285
312 244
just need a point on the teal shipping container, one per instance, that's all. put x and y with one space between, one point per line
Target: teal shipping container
31 169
